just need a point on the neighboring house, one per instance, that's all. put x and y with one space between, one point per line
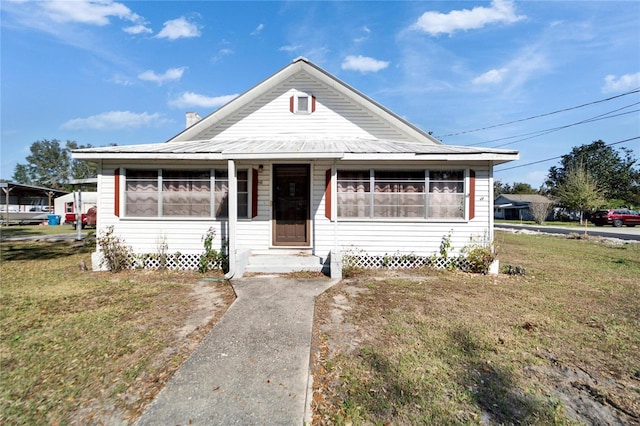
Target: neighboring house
300 164
518 206
68 204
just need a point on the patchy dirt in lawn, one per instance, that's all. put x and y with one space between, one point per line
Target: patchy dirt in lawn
350 316
589 399
208 305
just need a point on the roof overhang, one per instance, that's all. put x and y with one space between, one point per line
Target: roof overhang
356 149
495 159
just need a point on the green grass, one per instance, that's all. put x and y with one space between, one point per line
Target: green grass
37 230
454 348
73 343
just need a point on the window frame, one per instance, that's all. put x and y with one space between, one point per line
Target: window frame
295 103
370 194
160 171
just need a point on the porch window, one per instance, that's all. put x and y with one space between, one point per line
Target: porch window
141 193
399 194
222 193
354 193
186 193
406 194
446 194
182 193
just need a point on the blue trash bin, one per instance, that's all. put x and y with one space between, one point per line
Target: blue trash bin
54 219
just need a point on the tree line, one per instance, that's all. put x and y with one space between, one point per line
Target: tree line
590 177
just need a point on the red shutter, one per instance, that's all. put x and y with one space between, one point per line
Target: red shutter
291 104
254 193
327 195
116 201
472 194
313 104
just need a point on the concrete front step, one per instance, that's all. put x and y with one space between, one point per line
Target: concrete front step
283 263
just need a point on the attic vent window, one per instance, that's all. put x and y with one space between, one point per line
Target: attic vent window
302 103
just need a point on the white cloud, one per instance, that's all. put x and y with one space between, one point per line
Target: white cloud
87 11
116 120
434 23
121 80
529 63
360 39
290 48
621 84
221 54
179 28
363 64
258 30
491 77
170 75
137 29
190 99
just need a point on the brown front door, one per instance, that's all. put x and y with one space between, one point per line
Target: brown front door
291 204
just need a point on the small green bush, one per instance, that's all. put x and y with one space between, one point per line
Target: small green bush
479 257
212 258
116 256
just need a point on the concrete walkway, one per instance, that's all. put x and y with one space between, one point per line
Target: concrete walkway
253 367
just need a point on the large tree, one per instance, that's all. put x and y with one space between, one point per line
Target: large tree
51 165
580 192
613 171
81 169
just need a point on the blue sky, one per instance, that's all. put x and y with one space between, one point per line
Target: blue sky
125 72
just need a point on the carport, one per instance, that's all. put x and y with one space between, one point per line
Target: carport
20 199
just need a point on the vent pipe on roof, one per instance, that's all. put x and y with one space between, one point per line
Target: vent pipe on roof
192 118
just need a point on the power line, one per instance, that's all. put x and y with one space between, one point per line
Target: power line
603 116
636 90
560 156
590 120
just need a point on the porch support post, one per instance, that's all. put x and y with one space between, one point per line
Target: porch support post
77 203
6 190
233 216
491 203
336 256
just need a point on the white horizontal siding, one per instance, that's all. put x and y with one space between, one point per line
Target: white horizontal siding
335 115
371 236
256 233
379 237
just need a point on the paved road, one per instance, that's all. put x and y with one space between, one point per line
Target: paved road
623 233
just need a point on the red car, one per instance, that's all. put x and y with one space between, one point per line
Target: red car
616 217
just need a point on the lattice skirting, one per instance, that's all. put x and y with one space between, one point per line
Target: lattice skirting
174 262
404 262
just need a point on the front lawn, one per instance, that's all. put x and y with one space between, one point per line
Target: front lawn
556 345
93 348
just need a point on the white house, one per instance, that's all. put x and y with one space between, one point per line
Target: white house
301 164
75 202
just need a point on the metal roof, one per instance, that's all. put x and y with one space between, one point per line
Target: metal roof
294 147
29 189
524 198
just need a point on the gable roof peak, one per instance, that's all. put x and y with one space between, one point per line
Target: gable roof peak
302 64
